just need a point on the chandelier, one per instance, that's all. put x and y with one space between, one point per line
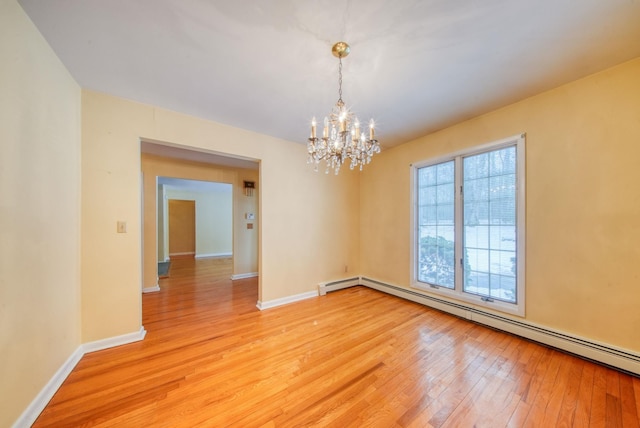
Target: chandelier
342 138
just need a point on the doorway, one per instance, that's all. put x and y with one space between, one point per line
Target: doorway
194 218
182 228
219 233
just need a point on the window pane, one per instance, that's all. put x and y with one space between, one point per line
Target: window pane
436 213
489 184
503 238
445 172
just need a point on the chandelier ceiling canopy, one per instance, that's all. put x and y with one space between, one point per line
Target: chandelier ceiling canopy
342 138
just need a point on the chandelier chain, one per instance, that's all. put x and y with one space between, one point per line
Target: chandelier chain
340 81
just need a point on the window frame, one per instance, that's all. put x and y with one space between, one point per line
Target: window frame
457 293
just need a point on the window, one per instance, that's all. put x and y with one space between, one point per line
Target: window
468 240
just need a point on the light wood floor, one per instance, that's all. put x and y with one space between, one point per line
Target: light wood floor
355 357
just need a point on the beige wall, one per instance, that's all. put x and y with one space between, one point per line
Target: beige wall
39 213
162 220
307 224
245 242
582 213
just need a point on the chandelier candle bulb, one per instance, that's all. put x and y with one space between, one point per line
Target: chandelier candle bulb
371 126
325 131
313 128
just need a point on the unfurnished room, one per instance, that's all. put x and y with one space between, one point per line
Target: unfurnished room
410 213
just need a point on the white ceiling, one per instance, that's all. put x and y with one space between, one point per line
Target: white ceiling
415 66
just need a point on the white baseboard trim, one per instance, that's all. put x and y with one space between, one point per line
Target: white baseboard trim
601 352
326 287
188 253
31 413
213 255
151 289
244 275
285 300
111 342
33 410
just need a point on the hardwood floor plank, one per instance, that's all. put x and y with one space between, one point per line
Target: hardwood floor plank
507 398
446 402
636 392
352 358
540 389
599 398
522 386
628 403
613 404
585 392
559 392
